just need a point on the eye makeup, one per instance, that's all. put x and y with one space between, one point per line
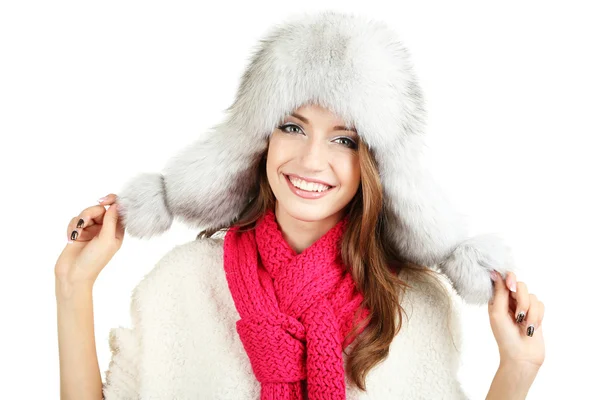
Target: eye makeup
351 145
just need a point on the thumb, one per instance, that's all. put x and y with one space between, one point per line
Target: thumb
109 223
499 302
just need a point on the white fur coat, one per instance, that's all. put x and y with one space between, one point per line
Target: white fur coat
183 343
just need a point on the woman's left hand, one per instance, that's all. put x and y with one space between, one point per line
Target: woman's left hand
520 339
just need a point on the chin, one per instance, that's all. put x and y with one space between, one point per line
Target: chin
308 212
305 212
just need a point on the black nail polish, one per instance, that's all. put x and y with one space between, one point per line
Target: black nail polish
530 330
80 223
74 235
520 317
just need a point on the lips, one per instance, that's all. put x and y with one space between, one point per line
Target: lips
309 180
304 193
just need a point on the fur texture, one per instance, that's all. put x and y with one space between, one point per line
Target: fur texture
183 342
357 68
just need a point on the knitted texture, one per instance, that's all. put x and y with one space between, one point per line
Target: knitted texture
296 310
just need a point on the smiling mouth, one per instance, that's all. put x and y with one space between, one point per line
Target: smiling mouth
320 190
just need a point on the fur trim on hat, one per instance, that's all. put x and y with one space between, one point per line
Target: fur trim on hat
358 69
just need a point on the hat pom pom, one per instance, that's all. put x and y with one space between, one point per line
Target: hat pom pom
470 265
143 206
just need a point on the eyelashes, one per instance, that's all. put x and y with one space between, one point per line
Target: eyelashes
285 126
351 144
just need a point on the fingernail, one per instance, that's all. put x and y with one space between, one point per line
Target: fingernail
494 275
74 235
513 287
520 317
530 330
101 199
80 223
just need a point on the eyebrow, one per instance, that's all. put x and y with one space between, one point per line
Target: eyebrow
335 128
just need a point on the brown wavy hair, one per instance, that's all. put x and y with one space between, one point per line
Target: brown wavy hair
372 260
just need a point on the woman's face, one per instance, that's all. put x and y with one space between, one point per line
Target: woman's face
315 144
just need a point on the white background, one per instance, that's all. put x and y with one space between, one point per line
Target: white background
91 93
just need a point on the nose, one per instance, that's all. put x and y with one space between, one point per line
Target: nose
314 156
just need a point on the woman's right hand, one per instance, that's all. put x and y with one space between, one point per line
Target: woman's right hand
95 242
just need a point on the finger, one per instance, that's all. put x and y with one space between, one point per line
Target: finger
83 234
88 217
108 199
499 302
73 223
72 248
542 309
95 214
533 314
75 230
120 228
511 281
523 303
512 304
109 225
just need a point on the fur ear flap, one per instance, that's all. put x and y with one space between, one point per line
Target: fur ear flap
144 207
205 184
428 229
470 265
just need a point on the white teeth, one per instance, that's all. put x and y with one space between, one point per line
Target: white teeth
309 186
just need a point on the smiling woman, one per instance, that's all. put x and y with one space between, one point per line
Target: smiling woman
312 157
331 224
314 153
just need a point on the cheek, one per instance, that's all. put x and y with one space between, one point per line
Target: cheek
280 150
348 172
275 156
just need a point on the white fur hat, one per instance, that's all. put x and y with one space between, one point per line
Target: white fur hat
358 69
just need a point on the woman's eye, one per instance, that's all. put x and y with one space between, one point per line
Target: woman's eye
285 127
349 142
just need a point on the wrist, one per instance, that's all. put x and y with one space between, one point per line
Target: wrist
512 380
67 291
521 372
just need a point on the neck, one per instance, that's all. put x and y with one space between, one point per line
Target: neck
301 234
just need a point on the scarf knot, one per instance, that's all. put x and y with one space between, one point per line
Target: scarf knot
296 309
275 331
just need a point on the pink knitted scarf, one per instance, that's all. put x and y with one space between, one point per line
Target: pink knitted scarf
296 309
